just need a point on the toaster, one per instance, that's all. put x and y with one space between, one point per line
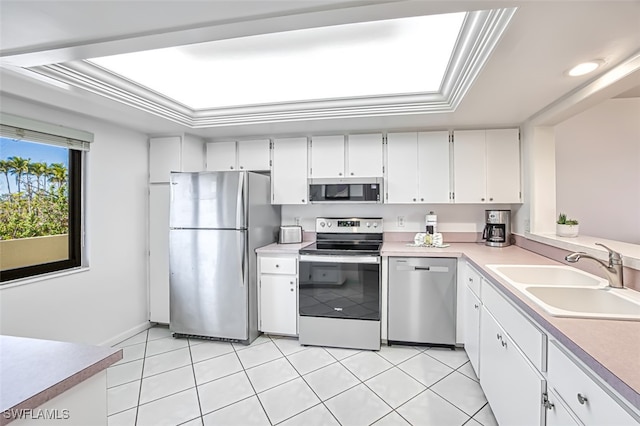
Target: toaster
290 234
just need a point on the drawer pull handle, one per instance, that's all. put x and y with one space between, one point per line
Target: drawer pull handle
582 399
504 344
291 282
476 306
498 336
277 266
470 280
291 289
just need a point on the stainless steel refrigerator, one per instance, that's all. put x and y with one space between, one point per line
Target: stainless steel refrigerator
217 220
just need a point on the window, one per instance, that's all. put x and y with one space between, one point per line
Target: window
40 197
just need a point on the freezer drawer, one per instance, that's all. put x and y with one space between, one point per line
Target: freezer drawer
422 300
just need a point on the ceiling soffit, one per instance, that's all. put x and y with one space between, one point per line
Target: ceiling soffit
480 34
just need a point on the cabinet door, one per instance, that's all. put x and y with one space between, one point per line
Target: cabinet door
159 195
512 386
469 166
221 156
289 171
402 168
472 328
327 157
558 414
253 155
164 158
278 304
364 155
503 166
433 167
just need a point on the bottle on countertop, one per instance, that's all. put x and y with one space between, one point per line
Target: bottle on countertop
431 223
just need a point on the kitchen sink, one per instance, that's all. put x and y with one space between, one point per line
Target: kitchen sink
564 291
606 303
560 275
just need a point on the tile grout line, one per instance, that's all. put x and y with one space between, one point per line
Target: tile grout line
141 375
244 370
309 386
195 382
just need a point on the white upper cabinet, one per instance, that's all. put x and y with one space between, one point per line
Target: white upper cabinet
252 155
289 171
356 156
327 157
503 166
365 155
221 156
433 167
486 166
174 154
417 167
402 168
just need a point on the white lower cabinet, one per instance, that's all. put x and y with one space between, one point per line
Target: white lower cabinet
278 295
589 401
557 412
472 328
513 387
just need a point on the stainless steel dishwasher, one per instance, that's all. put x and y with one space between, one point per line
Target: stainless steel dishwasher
422 301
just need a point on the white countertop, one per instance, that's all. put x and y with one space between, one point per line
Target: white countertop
276 248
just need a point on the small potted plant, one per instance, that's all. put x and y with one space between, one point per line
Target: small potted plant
566 227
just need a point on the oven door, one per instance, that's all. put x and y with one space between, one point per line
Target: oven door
340 286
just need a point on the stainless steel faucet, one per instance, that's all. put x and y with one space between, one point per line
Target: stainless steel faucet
613 269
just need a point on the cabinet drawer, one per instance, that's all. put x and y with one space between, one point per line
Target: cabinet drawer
531 340
473 280
278 265
590 402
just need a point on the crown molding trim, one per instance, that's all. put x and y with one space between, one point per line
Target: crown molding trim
480 34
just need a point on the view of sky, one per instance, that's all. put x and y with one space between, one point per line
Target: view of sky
38 153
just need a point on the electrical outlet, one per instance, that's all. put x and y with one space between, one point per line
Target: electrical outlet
297 220
400 221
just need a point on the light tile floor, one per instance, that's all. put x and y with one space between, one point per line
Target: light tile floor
167 381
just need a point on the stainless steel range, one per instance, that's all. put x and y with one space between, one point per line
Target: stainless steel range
339 285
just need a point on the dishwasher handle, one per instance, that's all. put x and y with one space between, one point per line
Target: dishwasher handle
422 268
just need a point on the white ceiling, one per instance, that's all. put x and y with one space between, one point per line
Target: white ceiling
524 75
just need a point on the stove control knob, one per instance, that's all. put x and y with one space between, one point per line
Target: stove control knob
329 224
375 224
368 225
322 224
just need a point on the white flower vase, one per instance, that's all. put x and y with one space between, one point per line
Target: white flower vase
567 230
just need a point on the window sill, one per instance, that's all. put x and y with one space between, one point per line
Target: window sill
630 252
43 277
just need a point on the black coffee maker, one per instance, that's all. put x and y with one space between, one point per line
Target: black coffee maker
497 229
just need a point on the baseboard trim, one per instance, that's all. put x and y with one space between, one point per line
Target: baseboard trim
127 334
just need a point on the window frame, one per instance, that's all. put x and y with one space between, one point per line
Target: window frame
77 146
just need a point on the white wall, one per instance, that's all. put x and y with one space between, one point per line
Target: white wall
598 170
451 217
109 299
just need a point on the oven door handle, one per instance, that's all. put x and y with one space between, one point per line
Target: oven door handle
340 259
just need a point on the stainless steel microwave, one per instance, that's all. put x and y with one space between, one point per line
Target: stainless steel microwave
345 190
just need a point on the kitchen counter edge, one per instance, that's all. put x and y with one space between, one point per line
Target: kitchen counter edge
26 370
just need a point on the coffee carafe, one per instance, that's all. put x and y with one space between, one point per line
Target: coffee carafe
497 229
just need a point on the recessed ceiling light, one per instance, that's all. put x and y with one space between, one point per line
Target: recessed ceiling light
585 68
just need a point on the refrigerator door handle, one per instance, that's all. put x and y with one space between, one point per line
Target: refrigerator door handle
243 263
240 202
